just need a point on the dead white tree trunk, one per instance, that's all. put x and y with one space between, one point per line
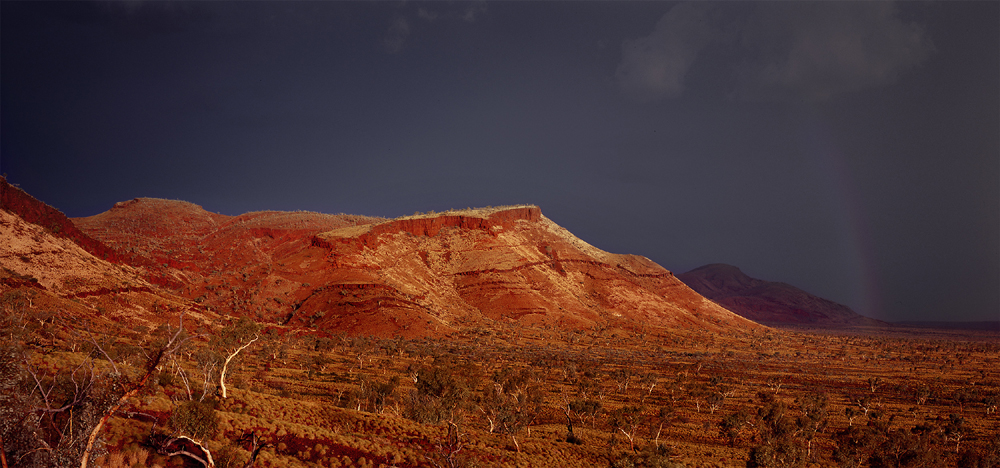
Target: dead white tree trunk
152 366
225 366
3 454
111 412
206 461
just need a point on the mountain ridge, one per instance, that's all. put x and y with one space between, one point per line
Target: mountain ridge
426 274
423 274
60 272
34 211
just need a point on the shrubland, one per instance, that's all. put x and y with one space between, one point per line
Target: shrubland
512 396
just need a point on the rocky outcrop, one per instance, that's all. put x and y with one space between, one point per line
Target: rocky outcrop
431 225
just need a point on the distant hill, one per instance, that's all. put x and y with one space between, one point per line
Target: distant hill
770 303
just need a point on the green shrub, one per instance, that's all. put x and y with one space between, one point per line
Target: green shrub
196 419
648 457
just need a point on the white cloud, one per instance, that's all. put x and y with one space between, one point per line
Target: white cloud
654 66
798 50
427 15
470 12
818 50
473 11
395 37
401 28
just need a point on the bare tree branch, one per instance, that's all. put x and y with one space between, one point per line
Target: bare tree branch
225 365
172 345
206 460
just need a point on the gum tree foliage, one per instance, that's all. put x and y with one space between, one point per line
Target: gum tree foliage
880 445
196 419
648 381
588 386
584 409
371 395
735 425
921 392
986 457
699 393
955 429
191 423
15 405
778 444
813 417
651 456
511 401
442 391
990 402
379 393
908 448
623 377
664 417
856 444
568 412
627 420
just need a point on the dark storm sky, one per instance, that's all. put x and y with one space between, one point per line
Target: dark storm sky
849 148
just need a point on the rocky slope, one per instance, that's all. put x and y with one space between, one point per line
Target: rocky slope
50 270
30 209
770 303
411 276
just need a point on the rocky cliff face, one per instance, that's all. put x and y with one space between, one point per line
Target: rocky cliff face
771 303
410 276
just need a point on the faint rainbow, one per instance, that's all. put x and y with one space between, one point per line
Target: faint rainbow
846 201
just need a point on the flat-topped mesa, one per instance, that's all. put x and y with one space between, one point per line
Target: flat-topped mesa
484 219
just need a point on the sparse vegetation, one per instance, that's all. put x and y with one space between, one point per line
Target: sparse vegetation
307 399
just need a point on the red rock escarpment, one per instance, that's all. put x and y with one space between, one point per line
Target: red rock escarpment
432 225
